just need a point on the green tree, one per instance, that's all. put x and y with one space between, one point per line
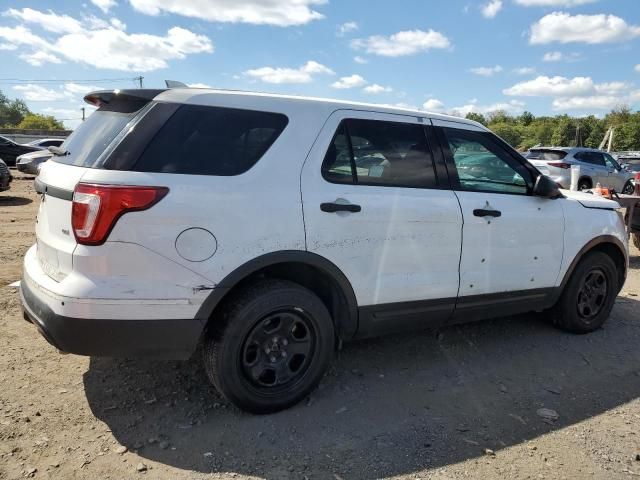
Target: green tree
37 121
509 133
526 118
564 135
477 117
12 112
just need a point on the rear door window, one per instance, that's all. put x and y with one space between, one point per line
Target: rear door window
380 153
593 158
202 140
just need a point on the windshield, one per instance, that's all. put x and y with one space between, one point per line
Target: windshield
87 142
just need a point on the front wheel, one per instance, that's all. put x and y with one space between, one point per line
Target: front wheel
275 343
588 297
628 188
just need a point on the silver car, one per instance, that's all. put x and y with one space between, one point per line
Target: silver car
596 167
30 162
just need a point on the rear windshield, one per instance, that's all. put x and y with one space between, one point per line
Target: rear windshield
87 142
201 140
546 155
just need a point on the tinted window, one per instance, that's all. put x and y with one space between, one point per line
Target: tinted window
202 140
51 143
484 166
371 152
593 158
546 155
611 163
87 142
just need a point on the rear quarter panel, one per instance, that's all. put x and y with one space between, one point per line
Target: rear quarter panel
257 212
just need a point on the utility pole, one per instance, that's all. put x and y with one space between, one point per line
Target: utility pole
82 113
139 80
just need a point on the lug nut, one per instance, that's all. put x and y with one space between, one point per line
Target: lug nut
273 359
285 342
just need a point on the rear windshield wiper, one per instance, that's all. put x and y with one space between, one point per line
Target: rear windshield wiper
60 152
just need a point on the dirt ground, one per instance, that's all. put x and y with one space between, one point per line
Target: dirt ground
461 404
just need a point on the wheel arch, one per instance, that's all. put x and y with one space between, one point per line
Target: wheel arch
308 269
586 178
608 244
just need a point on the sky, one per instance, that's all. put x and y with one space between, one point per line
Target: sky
549 57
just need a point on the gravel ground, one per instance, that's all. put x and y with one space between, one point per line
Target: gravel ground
509 398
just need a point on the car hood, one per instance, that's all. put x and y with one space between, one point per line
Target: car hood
590 200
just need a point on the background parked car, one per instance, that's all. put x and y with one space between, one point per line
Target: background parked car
10 150
30 162
630 163
46 142
596 166
5 176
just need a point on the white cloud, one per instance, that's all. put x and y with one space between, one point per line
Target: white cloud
407 42
199 85
486 71
360 60
282 13
49 21
99 43
491 9
79 89
433 105
553 3
375 89
579 93
550 57
104 5
346 28
352 81
592 29
513 107
637 68
39 58
303 74
593 102
544 86
38 93
524 71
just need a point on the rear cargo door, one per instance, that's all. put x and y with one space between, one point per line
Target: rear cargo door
83 150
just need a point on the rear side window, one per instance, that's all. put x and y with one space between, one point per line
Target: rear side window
372 152
201 140
594 158
546 155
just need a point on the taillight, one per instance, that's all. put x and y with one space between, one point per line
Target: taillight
559 165
96 208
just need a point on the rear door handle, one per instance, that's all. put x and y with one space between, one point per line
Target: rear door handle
483 212
340 207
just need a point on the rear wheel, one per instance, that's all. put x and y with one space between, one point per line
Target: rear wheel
273 349
628 188
588 297
584 184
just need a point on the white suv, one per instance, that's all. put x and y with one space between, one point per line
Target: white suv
269 229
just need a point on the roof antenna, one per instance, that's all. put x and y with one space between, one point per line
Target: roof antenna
175 84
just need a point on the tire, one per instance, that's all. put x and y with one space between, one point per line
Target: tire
272 348
584 184
628 188
588 297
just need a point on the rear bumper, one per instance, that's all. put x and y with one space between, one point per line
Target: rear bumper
174 339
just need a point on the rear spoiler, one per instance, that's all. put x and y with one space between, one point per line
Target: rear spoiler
103 97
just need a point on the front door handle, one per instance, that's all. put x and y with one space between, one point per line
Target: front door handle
483 212
340 207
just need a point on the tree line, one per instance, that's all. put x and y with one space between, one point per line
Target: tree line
16 114
526 130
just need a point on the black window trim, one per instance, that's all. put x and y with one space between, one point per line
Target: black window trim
439 184
516 158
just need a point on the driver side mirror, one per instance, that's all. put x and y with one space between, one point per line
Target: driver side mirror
546 188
